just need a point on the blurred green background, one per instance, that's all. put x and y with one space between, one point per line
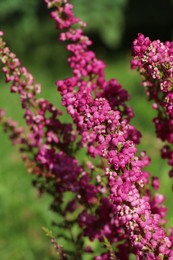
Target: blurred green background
31 34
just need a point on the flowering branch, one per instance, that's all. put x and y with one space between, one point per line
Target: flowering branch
106 134
47 147
154 60
107 198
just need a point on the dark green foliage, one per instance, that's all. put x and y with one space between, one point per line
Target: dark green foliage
105 18
19 20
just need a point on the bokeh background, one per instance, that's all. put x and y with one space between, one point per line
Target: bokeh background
31 34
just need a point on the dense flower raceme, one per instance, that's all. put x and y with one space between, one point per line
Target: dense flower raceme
154 60
127 213
47 147
106 133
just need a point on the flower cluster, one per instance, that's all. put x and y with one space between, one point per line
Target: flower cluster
154 60
47 147
107 197
105 131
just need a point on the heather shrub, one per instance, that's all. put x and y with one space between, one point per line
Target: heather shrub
106 198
